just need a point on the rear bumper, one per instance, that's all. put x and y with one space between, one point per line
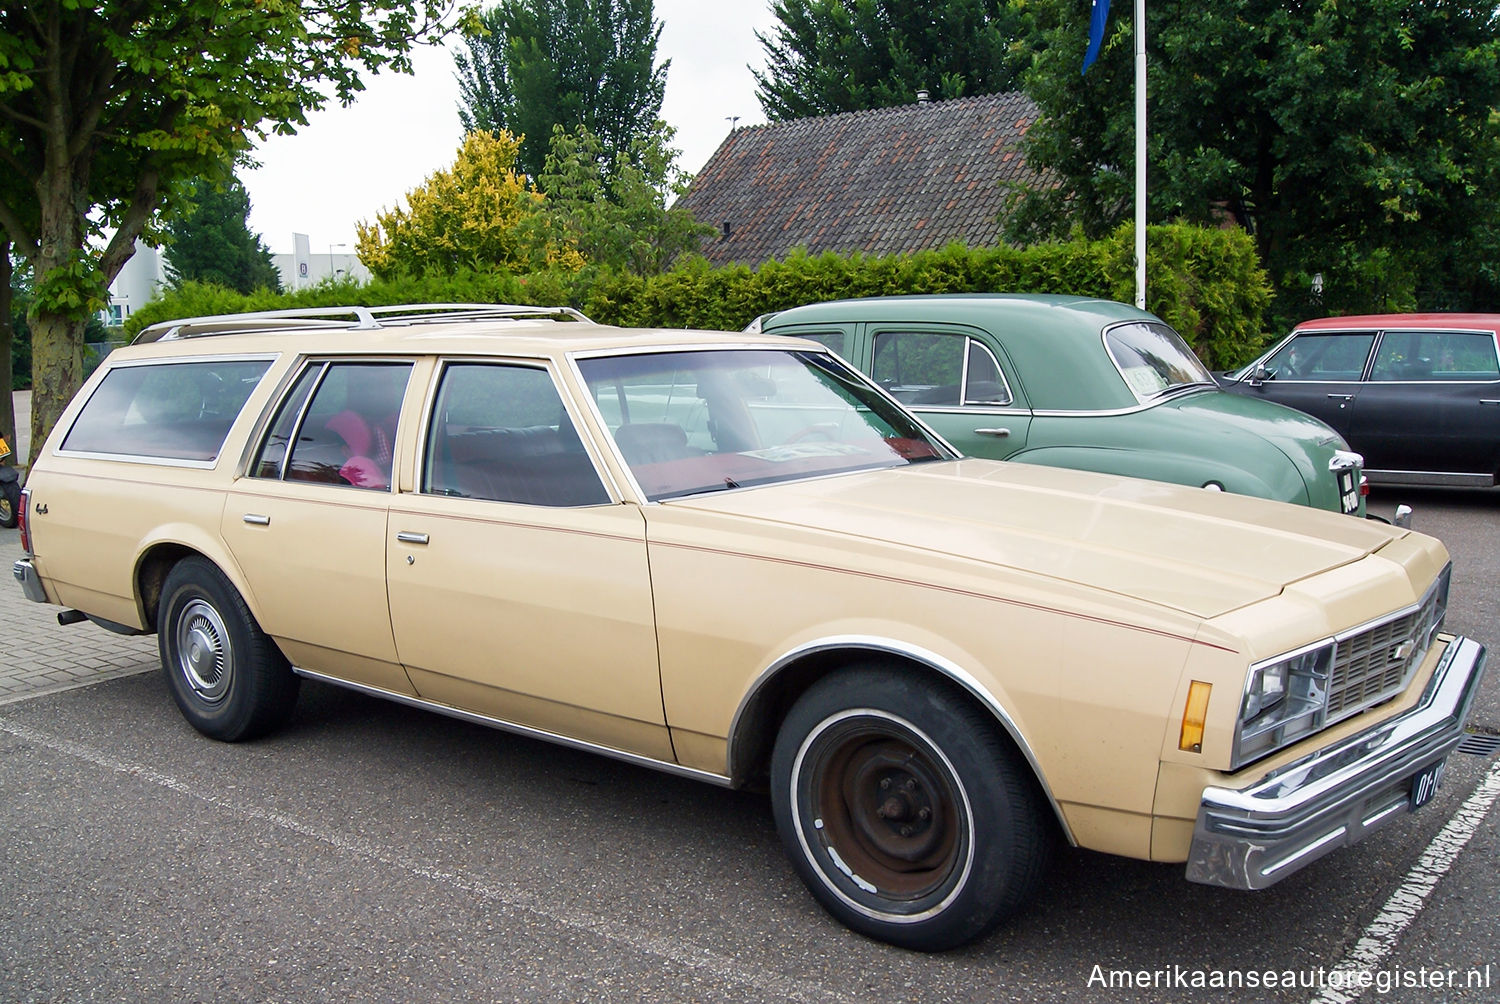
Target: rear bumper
31 584
1253 837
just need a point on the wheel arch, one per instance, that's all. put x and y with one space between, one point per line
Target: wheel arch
156 560
752 733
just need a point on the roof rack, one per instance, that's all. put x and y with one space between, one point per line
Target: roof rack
351 318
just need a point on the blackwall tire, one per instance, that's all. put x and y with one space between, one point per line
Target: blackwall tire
229 680
905 810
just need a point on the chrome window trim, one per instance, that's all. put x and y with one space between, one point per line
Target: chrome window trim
548 365
269 358
938 663
970 343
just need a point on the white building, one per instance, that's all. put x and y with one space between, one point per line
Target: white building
137 282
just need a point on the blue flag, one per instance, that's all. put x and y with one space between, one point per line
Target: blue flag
1097 17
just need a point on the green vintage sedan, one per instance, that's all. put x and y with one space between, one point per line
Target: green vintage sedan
1069 381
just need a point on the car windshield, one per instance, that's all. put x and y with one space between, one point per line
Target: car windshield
1154 359
697 421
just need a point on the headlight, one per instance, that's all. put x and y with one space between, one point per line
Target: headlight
1285 699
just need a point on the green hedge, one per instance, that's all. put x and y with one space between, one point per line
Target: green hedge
1206 283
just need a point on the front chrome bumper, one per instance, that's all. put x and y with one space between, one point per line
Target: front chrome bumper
1253 837
31 585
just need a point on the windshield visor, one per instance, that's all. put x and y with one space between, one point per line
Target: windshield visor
698 421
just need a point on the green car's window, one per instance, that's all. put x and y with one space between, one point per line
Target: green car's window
1322 356
938 369
1435 355
700 421
1154 359
501 433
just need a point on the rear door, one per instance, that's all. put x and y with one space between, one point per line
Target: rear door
1423 407
957 381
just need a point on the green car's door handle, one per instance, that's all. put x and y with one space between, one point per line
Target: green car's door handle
998 433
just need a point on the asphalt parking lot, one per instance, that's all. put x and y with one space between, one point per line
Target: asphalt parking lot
373 852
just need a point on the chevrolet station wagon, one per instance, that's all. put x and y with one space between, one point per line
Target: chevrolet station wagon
731 557
1071 381
1417 394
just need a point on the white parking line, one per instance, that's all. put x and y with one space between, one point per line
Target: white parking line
1379 940
671 949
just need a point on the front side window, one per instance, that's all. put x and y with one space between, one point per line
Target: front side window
699 421
171 411
1453 356
340 419
1154 359
501 433
1335 356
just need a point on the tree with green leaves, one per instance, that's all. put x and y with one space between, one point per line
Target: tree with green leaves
830 56
108 108
544 63
211 241
620 218
1357 141
481 214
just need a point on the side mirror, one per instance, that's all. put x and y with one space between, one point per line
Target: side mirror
1259 375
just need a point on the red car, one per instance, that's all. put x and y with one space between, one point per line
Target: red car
1417 394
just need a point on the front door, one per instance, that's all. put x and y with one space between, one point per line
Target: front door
518 588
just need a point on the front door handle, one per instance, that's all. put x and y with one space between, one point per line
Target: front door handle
997 433
1489 400
410 537
1342 399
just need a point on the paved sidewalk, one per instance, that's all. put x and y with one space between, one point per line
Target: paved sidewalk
38 655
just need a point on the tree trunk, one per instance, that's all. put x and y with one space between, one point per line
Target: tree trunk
56 370
7 341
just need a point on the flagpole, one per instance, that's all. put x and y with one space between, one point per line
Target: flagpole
1140 154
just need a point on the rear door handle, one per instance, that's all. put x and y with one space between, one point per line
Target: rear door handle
256 519
998 433
411 537
1489 400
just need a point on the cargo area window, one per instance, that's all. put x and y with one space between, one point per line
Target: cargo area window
177 411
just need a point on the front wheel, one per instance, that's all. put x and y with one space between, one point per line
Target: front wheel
905 811
228 678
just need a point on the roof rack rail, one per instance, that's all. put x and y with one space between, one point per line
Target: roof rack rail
350 318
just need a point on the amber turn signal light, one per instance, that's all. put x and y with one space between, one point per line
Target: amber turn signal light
1193 717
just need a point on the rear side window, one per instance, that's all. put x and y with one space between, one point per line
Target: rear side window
170 411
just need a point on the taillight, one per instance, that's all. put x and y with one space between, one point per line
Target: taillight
23 522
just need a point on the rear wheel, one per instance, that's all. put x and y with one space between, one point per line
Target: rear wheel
229 680
905 811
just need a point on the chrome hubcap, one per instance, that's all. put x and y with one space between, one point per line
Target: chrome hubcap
204 657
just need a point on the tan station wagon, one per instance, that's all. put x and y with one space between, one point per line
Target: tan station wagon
734 558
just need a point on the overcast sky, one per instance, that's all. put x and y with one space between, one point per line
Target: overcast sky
349 163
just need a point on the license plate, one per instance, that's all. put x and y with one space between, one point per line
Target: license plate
1425 785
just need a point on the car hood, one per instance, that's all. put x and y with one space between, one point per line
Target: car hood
1196 552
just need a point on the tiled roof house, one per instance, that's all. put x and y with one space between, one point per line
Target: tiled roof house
882 181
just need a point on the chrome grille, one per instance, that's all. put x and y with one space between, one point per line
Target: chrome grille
1375 663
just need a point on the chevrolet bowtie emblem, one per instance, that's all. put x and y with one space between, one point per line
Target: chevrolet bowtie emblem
1403 651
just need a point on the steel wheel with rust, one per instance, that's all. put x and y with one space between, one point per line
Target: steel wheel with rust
906 812
229 680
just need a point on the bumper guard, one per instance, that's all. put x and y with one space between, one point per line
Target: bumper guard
31 585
